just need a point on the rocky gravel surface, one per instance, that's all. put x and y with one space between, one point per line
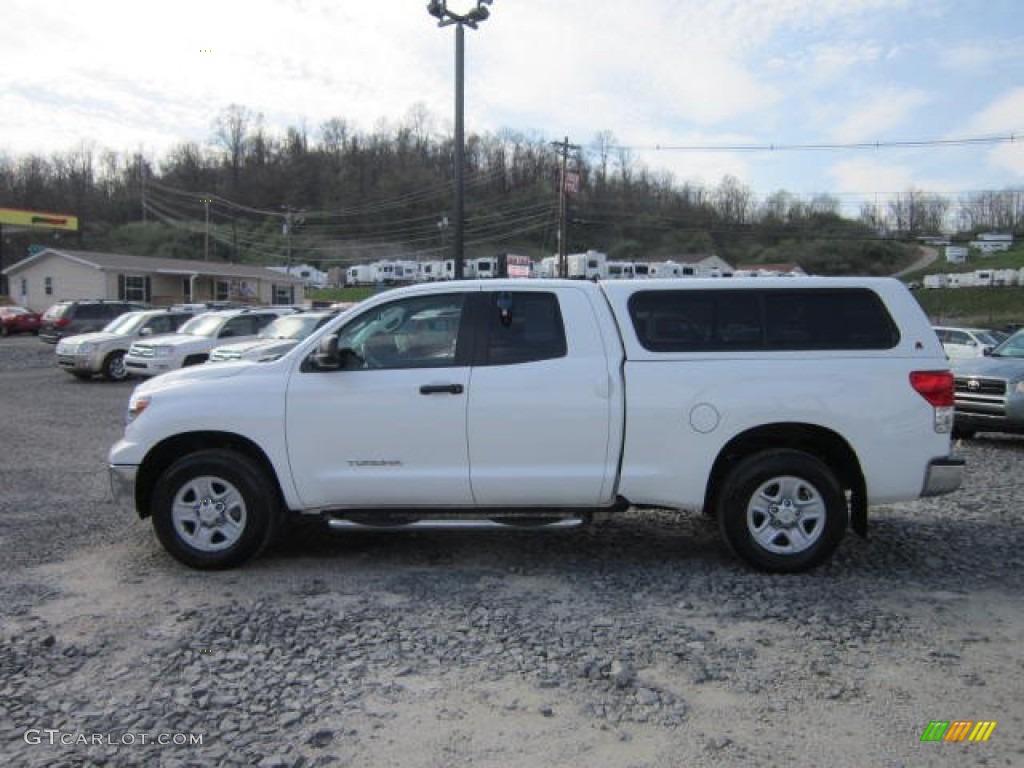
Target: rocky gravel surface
636 641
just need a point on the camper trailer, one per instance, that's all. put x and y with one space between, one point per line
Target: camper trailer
592 265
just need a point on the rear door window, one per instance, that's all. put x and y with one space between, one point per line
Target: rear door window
523 327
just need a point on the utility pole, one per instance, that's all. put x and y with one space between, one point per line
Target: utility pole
206 235
142 181
563 203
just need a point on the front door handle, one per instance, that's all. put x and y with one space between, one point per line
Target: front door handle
441 389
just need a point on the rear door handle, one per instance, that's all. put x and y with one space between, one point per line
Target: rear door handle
441 389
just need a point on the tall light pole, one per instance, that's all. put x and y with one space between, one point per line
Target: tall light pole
466 13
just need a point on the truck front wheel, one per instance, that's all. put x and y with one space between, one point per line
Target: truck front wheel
214 509
782 511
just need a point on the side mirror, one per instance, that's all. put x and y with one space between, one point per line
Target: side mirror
326 357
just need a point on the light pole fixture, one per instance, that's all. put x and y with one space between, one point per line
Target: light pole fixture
461 13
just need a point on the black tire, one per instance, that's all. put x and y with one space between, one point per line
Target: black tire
782 511
3 330
113 366
231 492
963 433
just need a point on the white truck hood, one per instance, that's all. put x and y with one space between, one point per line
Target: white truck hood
193 373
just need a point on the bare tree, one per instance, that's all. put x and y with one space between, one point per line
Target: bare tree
601 146
732 200
232 130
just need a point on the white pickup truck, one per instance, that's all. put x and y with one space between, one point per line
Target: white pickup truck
782 407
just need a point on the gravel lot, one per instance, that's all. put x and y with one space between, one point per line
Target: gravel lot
634 642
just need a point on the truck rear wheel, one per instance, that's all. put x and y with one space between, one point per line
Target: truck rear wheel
782 511
214 509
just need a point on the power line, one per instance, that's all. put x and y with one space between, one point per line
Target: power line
826 147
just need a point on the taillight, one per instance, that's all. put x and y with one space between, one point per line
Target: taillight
934 386
62 322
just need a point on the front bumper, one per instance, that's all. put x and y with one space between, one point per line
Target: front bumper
122 484
82 363
943 476
149 366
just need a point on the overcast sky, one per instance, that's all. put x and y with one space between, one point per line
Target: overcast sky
668 73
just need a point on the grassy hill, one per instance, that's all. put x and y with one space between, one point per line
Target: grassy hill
985 307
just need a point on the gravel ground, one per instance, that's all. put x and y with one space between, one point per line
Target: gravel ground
634 642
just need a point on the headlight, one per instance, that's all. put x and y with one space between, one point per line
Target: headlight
136 406
85 348
1020 388
162 351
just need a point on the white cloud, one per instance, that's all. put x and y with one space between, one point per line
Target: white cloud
868 176
1003 114
983 56
879 113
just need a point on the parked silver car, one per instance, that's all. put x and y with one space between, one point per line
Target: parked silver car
990 390
274 340
102 352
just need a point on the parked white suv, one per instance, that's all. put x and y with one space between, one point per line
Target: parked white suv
965 343
88 354
193 342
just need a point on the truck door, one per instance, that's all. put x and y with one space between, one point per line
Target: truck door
387 425
542 402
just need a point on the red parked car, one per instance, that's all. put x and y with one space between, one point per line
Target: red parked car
18 320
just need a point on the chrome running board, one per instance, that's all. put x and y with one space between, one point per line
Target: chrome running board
461 524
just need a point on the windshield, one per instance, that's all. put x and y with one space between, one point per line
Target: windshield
1012 347
986 338
203 325
291 327
126 323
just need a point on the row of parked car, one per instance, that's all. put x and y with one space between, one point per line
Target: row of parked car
227 334
115 339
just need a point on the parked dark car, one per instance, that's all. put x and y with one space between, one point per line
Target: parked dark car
18 320
69 318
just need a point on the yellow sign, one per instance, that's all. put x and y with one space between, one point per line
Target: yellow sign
45 219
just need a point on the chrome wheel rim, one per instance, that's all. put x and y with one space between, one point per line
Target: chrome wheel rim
116 368
209 514
786 515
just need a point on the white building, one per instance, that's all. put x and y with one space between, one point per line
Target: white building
956 254
992 242
311 276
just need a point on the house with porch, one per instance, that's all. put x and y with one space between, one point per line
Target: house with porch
53 275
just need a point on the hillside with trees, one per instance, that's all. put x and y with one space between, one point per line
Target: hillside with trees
343 196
